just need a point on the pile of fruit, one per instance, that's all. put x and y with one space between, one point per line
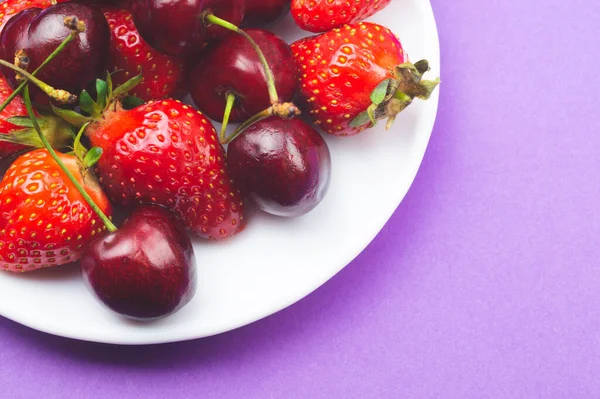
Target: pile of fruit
102 165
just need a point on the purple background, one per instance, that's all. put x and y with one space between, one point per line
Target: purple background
485 283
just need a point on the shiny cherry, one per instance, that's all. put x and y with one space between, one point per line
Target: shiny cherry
233 67
38 32
264 12
180 27
282 165
146 269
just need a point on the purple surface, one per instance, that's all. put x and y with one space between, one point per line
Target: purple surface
485 283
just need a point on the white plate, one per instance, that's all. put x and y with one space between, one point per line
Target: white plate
274 262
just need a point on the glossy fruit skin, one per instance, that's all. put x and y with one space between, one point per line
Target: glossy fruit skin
129 54
264 12
13 38
15 108
44 220
284 166
81 62
177 27
321 15
167 153
233 66
9 8
359 56
146 269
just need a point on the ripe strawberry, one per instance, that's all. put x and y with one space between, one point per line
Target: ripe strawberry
323 15
355 75
165 153
130 54
44 220
21 135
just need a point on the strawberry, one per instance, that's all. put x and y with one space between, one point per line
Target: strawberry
129 54
165 153
44 220
323 15
16 132
353 76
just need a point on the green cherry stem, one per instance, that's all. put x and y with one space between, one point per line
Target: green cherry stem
57 51
226 115
214 20
109 225
59 95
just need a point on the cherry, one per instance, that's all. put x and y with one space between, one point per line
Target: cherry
183 27
264 12
144 270
232 67
282 165
38 32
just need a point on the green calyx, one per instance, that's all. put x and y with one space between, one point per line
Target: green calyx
56 131
106 96
394 95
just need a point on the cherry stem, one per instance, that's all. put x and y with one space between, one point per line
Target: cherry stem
57 51
228 108
213 19
255 118
59 95
109 225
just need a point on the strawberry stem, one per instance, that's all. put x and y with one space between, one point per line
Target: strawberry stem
213 19
109 225
57 51
228 108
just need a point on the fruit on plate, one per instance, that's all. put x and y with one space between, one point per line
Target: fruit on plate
264 12
18 135
144 270
129 55
39 32
183 27
282 165
353 76
233 68
44 220
323 15
165 153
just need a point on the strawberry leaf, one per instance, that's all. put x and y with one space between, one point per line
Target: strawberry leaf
92 157
102 91
86 103
360 119
109 84
23 121
380 91
127 86
131 102
371 113
71 116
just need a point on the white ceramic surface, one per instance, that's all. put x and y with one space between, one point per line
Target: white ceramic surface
274 262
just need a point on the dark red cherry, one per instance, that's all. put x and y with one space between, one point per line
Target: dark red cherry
283 165
78 65
146 269
232 66
264 12
180 27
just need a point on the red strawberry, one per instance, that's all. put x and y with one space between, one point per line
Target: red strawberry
357 70
130 55
168 154
44 220
56 131
323 15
